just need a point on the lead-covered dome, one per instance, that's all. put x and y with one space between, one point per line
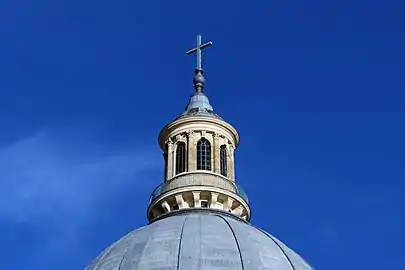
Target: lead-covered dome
199 105
194 241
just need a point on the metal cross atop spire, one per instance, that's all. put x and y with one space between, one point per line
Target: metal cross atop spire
198 50
199 80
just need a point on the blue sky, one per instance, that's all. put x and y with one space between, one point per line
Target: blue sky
315 88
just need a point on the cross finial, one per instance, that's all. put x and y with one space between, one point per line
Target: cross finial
199 73
198 50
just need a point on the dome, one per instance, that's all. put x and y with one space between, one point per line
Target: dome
199 105
198 240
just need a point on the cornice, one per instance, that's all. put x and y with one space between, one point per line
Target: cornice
196 119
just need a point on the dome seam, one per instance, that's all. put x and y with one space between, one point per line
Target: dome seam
147 242
125 254
281 249
105 254
181 237
236 240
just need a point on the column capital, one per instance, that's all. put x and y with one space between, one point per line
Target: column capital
169 142
230 145
190 133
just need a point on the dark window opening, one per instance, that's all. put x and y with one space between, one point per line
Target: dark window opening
223 161
175 207
204 204
181 158
203 155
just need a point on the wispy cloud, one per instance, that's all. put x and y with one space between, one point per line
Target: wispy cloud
48 176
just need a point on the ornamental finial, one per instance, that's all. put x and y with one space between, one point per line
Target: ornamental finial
199 79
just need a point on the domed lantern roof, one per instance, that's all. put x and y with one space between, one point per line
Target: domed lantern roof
205 240
199 105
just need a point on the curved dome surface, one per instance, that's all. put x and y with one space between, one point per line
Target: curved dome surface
198 241
199 105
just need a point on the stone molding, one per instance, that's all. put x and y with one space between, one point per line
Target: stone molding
198 123
198 178
191 197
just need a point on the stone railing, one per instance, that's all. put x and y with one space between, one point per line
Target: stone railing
198 178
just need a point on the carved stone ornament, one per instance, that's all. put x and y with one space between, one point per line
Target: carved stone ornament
203 132
230 145
169 142
190 133
178 138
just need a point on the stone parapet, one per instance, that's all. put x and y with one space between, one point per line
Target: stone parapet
196 178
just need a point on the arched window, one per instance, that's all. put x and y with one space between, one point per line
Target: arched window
203 155
181 158
223 160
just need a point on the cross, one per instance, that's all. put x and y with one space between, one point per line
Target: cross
198 50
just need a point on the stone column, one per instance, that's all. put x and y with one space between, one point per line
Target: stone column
170 159
180 201
174 159
238 210
166 207
196 197
214 199
191 152
231 163
165 157
228 204
216 153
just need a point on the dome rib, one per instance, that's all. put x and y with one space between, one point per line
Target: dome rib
103 255
281 249
144 247
160 230
236 240
180 241
199 241
125 255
